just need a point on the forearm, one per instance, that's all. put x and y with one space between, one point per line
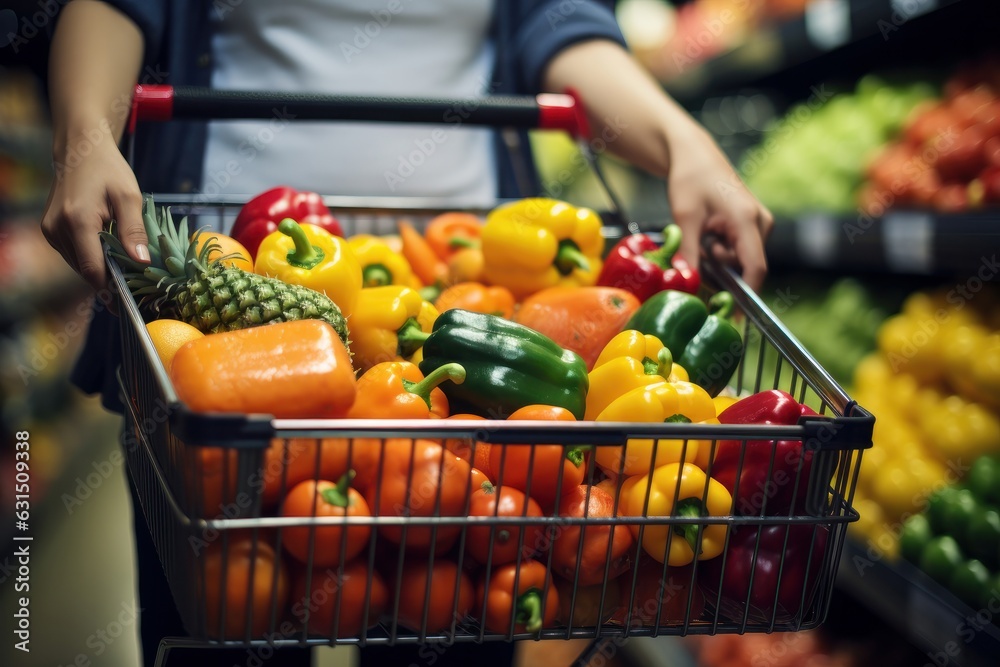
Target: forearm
625 106
94 63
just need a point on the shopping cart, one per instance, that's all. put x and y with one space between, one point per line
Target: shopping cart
209 483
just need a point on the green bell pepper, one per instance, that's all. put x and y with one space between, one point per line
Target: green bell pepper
507 365
984 479
970 583
700 338
914 537
982 536
940 558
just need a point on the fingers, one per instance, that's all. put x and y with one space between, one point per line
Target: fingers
743 227
690 219
86 246
126 207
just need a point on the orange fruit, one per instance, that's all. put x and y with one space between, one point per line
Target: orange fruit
229 246
169 336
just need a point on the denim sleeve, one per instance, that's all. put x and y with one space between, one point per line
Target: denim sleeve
543 29
151 18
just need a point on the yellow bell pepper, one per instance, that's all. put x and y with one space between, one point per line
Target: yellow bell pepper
380 265
390 323
972 357
682 490
535 243
658 403
629 360
307 255
958 431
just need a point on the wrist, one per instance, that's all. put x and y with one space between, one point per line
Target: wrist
81 137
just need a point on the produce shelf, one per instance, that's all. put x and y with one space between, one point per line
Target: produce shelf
830 39
900 242
932 618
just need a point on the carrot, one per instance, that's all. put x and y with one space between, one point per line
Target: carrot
418 253
292 370
582 319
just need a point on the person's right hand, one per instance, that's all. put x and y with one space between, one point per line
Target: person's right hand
84 198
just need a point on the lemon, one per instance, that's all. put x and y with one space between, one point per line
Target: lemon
169 336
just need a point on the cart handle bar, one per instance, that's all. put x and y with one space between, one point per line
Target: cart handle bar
547 111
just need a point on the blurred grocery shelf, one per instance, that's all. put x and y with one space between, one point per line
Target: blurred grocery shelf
830 37
900 242
906 599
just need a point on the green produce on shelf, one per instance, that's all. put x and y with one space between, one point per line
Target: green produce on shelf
953 514
982 535
914 537
812 159
984 479
969 583
940 557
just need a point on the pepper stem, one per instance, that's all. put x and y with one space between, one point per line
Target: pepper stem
575 455
305 255
410 338
338 495
570 257
376 275
529 610
453 371
690 507
430 292
663 255
721 304
462 242
664 362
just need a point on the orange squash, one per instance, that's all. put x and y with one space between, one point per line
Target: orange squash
292 370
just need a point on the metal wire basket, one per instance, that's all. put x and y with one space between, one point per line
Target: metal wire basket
423 570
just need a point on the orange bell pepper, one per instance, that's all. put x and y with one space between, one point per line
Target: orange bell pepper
449 233
478 298
518 590
398 390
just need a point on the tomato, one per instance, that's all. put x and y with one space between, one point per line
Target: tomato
594 556
444 580
210 483
654 592
336 457
494 501
477 454
420 479
252 582
325 499
510 463
587 608
336 602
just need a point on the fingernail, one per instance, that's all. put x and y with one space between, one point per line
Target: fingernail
142 252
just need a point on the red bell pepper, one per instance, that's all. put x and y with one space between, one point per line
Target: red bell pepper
794 590
261 215
636 264
776 494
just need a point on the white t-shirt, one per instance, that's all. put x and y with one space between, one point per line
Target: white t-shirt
385 47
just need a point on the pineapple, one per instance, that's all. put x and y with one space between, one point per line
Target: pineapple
179 284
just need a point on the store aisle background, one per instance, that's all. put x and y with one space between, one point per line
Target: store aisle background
83 572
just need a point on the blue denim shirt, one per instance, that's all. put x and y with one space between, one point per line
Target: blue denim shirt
169 157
